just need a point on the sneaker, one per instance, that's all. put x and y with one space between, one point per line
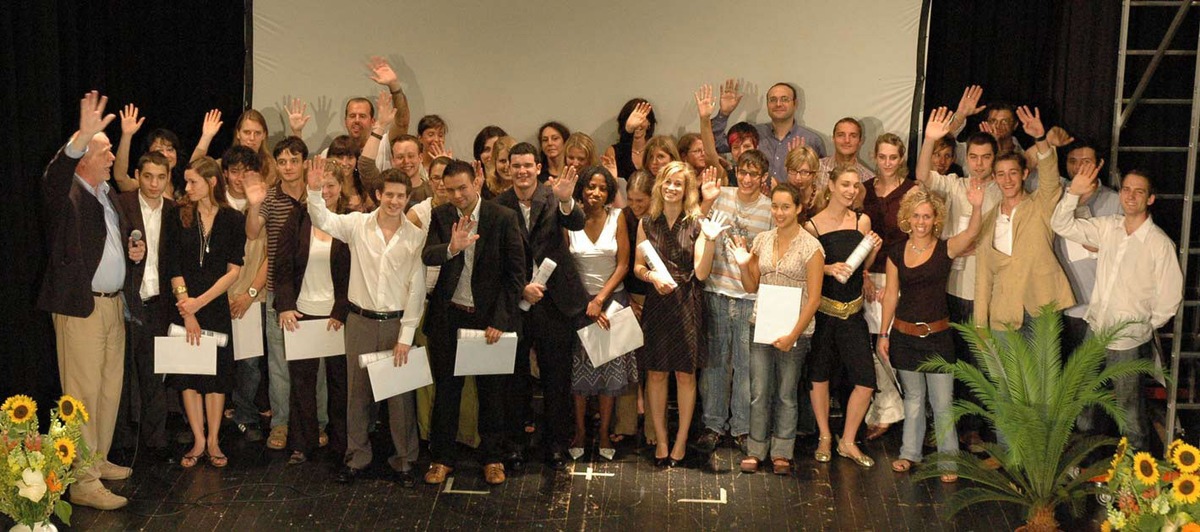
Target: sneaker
99 498
250 432
707 443
278 439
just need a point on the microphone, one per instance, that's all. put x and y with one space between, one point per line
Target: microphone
136 235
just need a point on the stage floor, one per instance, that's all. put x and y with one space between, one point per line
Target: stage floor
259 491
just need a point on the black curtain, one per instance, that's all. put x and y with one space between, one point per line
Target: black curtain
173 60
1058 55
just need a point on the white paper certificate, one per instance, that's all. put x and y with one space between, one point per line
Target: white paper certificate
476 357
387 380
248 333
623 335
778 310
312 339
174 355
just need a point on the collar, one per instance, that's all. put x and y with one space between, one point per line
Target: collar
474 213
146 206
101 189
1143 231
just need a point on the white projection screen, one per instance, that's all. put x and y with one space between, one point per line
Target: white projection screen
520 63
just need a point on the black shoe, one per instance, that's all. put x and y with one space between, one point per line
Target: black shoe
556 461
515 462
347 475
740 441
663 463
707 443
405 478
251 432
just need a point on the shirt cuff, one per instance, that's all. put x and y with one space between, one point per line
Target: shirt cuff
74 154
1042 155
406 335
570 206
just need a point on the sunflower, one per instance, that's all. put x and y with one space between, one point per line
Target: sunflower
1122 447
1186 488
1145 469
1186 458
20 408
69 408
65 449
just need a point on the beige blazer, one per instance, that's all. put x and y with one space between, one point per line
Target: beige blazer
1007 286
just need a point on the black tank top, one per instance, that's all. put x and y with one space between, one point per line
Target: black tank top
838 245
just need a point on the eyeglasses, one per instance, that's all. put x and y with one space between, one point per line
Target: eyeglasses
781 99
801 173
1000 121
748 173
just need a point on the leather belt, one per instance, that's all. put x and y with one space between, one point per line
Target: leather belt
375 315
106 294
151 300
464 308
921 329
839 309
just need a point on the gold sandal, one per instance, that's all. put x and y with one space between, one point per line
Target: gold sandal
823 456
861 459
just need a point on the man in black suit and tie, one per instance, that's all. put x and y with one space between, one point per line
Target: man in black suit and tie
543 212
478 246
147 294
82 290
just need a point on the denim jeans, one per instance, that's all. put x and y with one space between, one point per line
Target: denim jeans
774 380
1128 391
726 408
278 379
939 389
246 380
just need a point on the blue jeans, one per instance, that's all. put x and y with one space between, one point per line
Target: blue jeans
728 360
279 381
774 380
939 389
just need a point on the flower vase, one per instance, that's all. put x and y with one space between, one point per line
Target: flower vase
44 526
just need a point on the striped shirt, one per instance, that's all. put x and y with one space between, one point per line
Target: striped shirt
276 209
746 220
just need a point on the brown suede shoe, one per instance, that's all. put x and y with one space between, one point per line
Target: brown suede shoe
494 473
437 473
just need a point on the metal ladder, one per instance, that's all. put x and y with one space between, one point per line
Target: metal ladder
1123 108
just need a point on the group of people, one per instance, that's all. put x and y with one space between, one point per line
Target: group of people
386 235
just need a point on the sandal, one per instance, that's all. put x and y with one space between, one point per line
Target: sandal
616 438
902 465
823 456
949 478
297 458
218 460
189 460
530 427
874 432
781 466
749 465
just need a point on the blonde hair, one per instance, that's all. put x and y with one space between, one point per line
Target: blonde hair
915 198
492 180
801 156
894 140
822 199
660 142
583 142
691 190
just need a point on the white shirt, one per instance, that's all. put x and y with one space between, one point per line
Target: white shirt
316 289
953 189
152 219
424 212
239 204
1138 278
462 292
1002 239
385 275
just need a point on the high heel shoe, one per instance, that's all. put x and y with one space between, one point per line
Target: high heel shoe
608 453
575 452
861 459
822 456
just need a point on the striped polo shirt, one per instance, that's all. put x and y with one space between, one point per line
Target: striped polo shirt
746 220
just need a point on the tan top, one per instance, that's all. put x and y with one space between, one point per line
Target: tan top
789 270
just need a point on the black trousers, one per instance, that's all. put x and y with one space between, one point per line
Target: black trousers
552 335
147 394
491 390
303 432
963 311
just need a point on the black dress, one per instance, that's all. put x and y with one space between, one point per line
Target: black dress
184 251
838 342
623 152
922 299
673 325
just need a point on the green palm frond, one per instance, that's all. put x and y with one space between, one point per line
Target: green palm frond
972 496
970 467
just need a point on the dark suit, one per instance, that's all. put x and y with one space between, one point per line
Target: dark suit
144 398
291 261
548 326
497 278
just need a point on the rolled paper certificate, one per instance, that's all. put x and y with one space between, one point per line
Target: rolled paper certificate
367 359
857 256
656 263
178 330
540 276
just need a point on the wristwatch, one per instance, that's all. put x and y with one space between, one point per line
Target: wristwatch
253 292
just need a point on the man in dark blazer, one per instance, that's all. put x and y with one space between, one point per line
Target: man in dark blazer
82 290
148 297
482 259
543 212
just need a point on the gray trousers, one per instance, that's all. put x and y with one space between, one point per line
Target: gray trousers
368 336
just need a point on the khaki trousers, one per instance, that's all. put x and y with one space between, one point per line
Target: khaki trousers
368 336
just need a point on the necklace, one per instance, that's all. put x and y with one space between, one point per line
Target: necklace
205 237
916 250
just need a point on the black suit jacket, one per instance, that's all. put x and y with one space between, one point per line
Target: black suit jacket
545 238
130 210
498 275
76 232
291 260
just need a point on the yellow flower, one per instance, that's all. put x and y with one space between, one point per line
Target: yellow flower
65 449
1122 447
69 408
1186 489
1105 526
1145 469
1186 458
20 408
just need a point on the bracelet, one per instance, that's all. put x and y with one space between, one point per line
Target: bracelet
885 336
1041 138
181 289
398 91
377 135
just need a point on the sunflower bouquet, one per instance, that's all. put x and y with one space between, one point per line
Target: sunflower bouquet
36 468
1145 493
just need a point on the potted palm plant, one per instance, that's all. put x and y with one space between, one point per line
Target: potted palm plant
1032 396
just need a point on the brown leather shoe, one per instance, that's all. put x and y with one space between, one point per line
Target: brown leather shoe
494 473
437 473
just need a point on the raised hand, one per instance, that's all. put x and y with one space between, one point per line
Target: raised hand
968 105
741 254
385 113
714 225
212 124
1084 180
381 72
1031 122
298 116
638 117
462 234
255 188
477 165
315 171
975 193
796 143
438 149
564 186
130 123
704 101
610 163
1058 137
92 119
709 187
731 96
939 124
987 128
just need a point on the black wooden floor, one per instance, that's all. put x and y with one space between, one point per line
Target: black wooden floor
259 491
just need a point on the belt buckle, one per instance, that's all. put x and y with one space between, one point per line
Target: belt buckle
928 329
